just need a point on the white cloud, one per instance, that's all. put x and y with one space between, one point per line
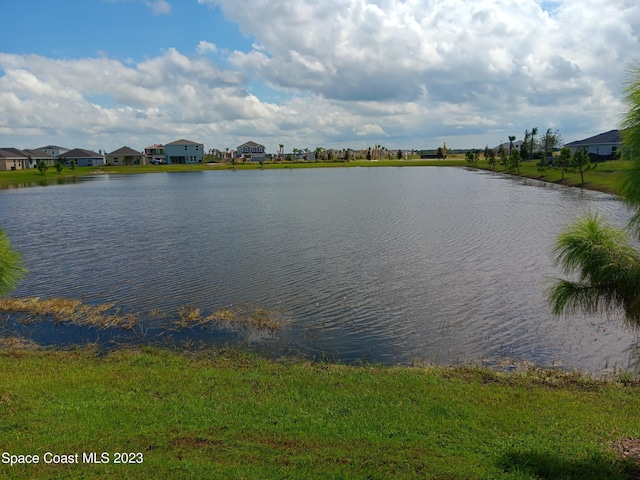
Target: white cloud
206 47
159 7
368 129
414 72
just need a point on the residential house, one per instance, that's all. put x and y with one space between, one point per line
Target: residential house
183 151
82 158
125 156
35 156
154 154
507 146
13 159
54 150
605 146
252 152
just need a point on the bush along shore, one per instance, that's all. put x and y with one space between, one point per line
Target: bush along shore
215 413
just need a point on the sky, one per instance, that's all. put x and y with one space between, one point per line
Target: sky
411 74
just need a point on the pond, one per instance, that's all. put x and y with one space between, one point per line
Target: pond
392 265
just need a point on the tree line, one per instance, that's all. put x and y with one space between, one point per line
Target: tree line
533 148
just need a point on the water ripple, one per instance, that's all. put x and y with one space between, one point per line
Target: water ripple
391 265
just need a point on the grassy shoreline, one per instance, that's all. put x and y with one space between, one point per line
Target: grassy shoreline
605 177
230 414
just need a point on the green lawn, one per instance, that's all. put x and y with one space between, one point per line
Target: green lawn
604 177
216 414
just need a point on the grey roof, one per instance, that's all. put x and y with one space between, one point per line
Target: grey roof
125 151
40 154
81 153
10 152
612 136
52 146
251 144
182 141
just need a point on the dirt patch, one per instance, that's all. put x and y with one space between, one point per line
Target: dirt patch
629 450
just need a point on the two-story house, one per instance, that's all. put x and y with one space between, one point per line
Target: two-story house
154 154
252 152
183 152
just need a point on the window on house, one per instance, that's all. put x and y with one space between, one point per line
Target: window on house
186 146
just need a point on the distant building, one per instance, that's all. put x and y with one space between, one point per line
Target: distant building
125 156
54 150
516 145
154 154
183 152
82 158
13 159
252 152
605 146
35 156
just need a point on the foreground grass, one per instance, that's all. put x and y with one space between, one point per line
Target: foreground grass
220 414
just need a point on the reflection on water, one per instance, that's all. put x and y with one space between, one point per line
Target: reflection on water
44 182
391 265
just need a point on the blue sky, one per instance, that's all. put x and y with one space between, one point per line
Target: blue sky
307 73
124 29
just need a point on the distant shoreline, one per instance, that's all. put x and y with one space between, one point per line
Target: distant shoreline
604 177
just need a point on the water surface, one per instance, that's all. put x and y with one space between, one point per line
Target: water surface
390 265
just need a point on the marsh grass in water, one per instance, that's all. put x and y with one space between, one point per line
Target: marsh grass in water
237 317
75 312
221 413
69 310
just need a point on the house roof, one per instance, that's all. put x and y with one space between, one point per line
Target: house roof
157 145
40 154
10 152
81 153
251 144
516 145
52 146
182 141
125 151
612 136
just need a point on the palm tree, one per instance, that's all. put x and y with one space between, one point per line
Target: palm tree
11 265
602 258
532 145
631 143
606 268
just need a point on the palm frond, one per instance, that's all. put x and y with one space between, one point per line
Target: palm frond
606 266
11 265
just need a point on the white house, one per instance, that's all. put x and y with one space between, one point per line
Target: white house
604 146
183 151
252 152
154 154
